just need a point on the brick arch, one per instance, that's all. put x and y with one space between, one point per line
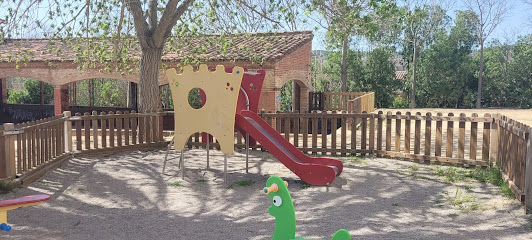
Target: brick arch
299 95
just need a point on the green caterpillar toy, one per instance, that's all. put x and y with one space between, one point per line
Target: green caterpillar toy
282 209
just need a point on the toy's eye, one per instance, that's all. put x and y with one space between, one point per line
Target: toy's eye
277 201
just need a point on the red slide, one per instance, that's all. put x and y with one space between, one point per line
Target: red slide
312 170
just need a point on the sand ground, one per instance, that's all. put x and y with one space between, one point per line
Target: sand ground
125 196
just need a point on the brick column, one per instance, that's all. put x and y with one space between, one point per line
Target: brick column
268 100
61 99
3 88
303 99
296 97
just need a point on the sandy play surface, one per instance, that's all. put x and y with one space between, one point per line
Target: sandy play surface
125 196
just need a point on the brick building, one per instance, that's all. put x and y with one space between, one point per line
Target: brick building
285 56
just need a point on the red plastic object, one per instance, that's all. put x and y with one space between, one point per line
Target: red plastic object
24 200
314 171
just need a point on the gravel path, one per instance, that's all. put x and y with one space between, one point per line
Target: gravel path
125 196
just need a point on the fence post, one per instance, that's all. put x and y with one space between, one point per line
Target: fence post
7 163
528 173
68 131
494 149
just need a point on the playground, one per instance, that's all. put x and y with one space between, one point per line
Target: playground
124 195
198 193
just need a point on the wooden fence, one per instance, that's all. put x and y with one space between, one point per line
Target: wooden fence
33 148
342 101
514 156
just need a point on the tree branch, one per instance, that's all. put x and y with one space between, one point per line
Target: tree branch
141 27
169 20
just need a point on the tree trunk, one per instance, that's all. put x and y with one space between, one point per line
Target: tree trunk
413 90
149 99
343 73
479 90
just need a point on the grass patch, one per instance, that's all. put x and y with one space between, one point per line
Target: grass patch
305 185
175 184
466 203
358 160
490 175
243 183
414 167
5 186
452 215
201 180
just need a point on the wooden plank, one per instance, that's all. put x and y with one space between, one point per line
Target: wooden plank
397 145
372 132
389 132
119 124
407 134
314 135
104 130
142 128
461 137
278 122
296 131
87 132
78 133
134 125
95 130
155 128
24 149
160 127
364 131
19 153
334 126
450 133
148 129
43 145
428 131
287 121
343 135
473 142
305 132
112 130
528 172
439 136
379 130
126 128
46 144
324 134
33 148
486 140
353 133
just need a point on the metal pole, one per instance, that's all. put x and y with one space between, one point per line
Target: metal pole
225 169
208 140
247 151
167 151
182 165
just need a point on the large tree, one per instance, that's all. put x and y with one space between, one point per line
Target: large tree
490 14
345 19
422 19
106 33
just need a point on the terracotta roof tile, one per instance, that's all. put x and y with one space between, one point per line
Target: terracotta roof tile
233 47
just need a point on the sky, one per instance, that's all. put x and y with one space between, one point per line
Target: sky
513 26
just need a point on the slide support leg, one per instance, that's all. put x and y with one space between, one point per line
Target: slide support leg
182 165
208 140
247 152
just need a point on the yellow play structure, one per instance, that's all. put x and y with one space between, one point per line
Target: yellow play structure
216 116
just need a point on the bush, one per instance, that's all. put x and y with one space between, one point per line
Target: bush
400 102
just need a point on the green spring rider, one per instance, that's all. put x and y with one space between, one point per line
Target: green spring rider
282 209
